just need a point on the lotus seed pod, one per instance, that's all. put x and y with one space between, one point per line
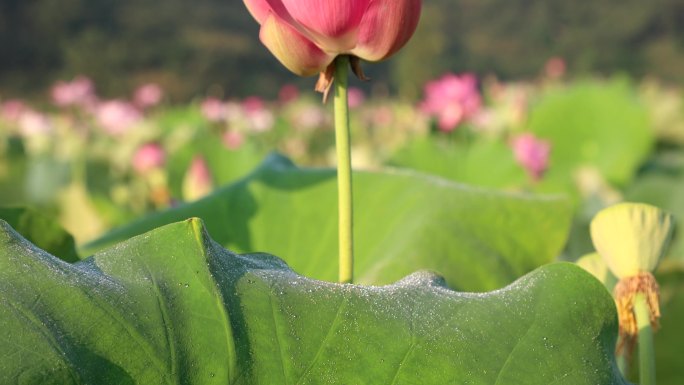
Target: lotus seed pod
596 266
631 237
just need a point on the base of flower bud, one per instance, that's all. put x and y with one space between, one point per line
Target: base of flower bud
625 292
327 77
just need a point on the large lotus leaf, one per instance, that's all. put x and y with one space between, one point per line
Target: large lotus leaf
174 307
478 239
592 125
469 162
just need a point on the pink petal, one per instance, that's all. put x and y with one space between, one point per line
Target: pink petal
259 9
386 26
333 22
292 49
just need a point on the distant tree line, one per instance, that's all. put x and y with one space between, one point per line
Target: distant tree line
199 47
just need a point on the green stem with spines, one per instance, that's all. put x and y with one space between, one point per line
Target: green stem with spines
642 313
344 172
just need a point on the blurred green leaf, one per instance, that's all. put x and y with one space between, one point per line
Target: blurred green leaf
662 184
482 162
41 230
478 239
174 307
591 124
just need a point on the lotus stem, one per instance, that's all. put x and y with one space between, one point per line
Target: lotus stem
642 312
344 174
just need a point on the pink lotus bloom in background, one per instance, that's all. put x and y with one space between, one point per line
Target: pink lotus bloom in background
12 109
149 157
532 153
253 104
307 35
259 116
233 139
34 123
78 92
288 93
355 97
452 99
148 95
213 109
197 181
555 67
116 117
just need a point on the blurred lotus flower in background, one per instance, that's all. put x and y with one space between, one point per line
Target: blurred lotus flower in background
307 35
116 117
355 97
532 153
197 181
11 110
288 93
555 67
149 157
32 123
308 117
260 117
452 99
78 92
233 139
213 109
148 95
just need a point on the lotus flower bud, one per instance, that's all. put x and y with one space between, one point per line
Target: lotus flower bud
307 35
631 237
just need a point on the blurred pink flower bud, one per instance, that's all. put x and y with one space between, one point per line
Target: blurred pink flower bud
11 110
288 93
260 118
532 153
555 67
79 91
355 97
149 157
34 123
148 95
116 117
253 104
452 99
213 109
197 181
307 35
233 139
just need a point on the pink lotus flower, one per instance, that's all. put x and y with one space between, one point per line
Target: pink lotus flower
532 153
148 95
288 93
197 181
79 91
307 35
233 139
355 97
117 116
452 99
12 109
555 67
149 157
33 123
213 109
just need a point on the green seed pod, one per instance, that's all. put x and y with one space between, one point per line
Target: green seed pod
594 264
631 237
